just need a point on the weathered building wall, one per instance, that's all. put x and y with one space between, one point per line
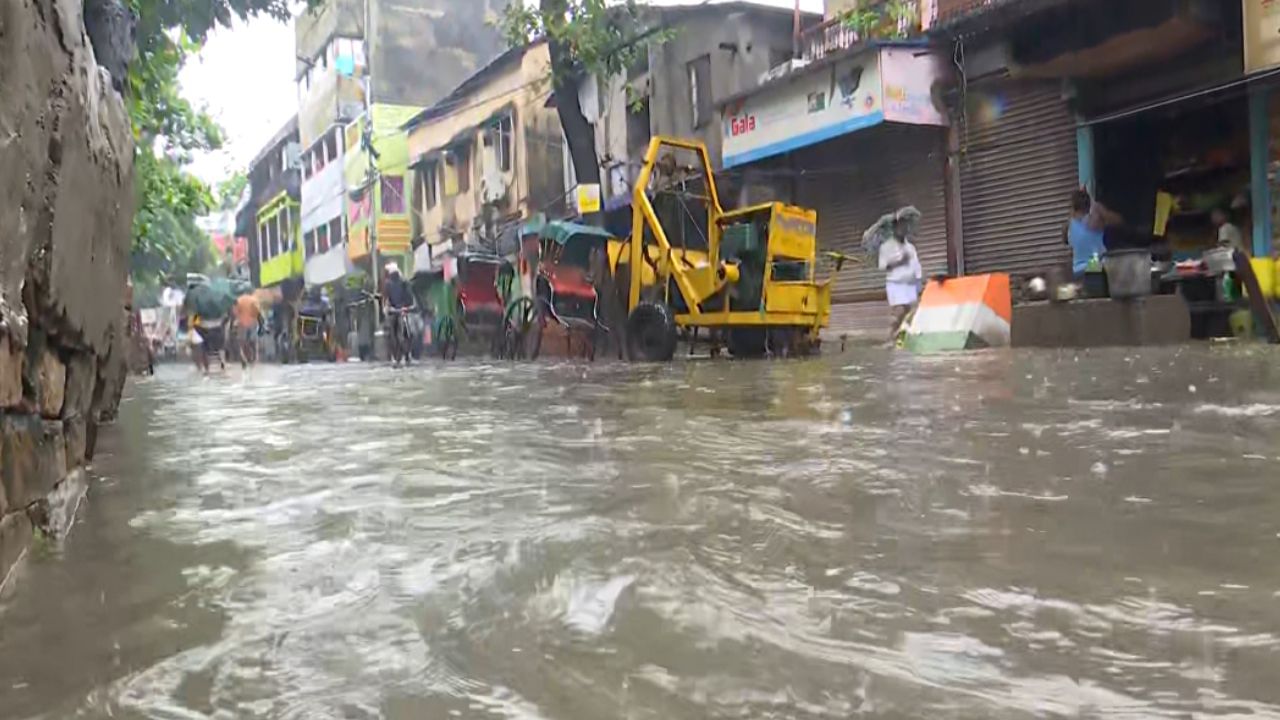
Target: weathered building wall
66 209
424 49
741 45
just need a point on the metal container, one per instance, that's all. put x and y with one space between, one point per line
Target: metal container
1128 273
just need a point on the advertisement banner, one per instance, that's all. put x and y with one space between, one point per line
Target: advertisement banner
894 84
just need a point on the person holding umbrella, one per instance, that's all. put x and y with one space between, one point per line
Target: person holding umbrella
889 241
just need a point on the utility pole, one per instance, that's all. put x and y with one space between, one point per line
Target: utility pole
367 140
373 179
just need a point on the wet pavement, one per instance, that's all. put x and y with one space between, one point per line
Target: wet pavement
997 535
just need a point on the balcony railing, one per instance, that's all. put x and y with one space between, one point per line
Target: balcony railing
867 21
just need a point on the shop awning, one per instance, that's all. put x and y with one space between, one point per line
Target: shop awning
1206 92
562 232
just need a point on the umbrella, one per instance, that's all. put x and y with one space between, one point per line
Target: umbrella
216 298
882 230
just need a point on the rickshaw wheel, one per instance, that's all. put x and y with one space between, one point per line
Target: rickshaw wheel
522 330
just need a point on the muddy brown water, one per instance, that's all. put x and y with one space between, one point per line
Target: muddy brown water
997 535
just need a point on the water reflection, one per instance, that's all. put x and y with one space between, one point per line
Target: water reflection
870 534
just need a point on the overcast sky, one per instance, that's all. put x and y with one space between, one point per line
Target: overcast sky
244 77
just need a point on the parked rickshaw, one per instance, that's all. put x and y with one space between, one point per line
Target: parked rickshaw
463 303
566 261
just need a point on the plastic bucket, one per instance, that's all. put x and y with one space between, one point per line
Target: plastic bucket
1128 273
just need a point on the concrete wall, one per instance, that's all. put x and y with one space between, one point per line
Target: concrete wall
66 207
760 37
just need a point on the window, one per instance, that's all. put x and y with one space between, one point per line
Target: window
700 90
309 243
457 171
393 194
331 146
640 66
335 232
778 57
427 186
353 136
638 128
322 238
502 136
262 243
273 237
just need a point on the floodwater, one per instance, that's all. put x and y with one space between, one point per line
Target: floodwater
996 535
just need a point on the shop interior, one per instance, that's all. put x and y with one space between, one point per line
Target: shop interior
1165 170
1176 175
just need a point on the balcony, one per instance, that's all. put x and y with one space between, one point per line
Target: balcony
866 20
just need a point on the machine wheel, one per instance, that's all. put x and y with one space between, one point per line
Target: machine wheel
651 333
747 343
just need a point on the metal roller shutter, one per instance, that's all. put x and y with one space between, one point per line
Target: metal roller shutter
852 180
1016 177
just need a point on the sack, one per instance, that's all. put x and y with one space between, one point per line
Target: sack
196 338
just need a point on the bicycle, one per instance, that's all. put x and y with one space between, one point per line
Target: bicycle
400 339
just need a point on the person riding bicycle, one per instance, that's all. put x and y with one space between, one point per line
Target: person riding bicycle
399 301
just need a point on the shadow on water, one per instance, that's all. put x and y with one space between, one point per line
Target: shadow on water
868 534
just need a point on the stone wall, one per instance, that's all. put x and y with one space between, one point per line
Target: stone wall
66 207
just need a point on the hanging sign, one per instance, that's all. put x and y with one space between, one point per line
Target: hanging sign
1261 35
588 198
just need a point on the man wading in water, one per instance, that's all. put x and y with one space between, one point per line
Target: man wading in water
903 273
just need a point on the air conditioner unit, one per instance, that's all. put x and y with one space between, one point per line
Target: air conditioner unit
494 187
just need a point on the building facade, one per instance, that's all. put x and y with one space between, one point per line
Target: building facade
715 52
1159 109
486 157
355 88
272 215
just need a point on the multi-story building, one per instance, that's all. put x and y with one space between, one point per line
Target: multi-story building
486 156
275 177
355 89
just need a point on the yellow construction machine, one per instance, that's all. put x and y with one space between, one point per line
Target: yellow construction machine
748 277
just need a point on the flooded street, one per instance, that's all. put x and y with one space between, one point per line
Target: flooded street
1005 535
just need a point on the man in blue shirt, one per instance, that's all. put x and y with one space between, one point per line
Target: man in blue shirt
1084 231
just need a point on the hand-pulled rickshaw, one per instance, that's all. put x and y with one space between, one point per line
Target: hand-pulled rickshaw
462 299
565 260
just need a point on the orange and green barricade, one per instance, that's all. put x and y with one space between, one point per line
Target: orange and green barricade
964 313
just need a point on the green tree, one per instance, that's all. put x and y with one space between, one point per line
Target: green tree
169 130
231 190
584 38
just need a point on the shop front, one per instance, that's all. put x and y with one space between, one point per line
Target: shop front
1147 106
854 138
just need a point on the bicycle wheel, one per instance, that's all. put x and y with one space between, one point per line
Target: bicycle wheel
447 339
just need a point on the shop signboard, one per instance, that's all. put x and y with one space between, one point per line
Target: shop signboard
814 105
1261 35
908 79
588 198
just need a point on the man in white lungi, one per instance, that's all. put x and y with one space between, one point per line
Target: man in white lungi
903 274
